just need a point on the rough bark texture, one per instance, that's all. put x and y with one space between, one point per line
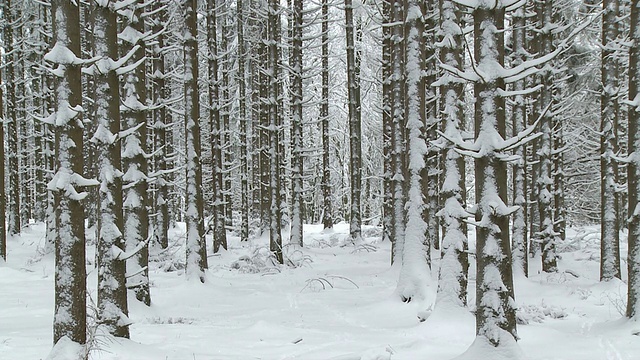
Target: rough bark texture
161 127
70 282
217 208
275 215
327 209
610 227
134 163
519 239
453 278
495 314
633 260
196 249
297 165
355 125
11 120
547 234
243 120
387 128
112 291
3 227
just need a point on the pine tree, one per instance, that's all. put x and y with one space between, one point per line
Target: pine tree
297 161
70 281
327 208
3 230
633 261
134 156
355 125
452 284
196 251
610 227
217 211
243 120
112 292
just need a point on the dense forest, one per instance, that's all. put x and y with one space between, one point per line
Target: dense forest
470 136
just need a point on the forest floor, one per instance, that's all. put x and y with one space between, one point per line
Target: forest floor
338 303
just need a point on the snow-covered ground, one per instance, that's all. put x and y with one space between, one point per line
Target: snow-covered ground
338 304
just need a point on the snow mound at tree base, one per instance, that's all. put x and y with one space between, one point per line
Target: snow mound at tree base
65 349
483 349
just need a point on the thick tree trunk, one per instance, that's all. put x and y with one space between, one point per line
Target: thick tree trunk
196 257
453 278
112 291
495 314
3 227
70 276
135 166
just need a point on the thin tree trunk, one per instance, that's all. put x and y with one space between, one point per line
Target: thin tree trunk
297 164
355 143
327 210
633 260
243 120
609 234
11 135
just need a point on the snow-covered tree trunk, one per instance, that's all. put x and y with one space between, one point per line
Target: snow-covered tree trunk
196 251
431 172
161 126
226 161
633 260
243 121
134 111
415 279
217 210
3 227
495 314
297 161
609 233
275 215
547 235
387 128
519 241
112 291
453 278
327 208
355 125
10 120
70 312
398 149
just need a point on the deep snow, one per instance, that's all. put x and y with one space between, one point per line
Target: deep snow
339 304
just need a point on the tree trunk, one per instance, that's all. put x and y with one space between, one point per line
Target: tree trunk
609 233
453 278
134 164
112 291
495 314
633 260
355 157
519 241
297 165
217 209
275 219
11 136
327 209
196 257
242 107
70 273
